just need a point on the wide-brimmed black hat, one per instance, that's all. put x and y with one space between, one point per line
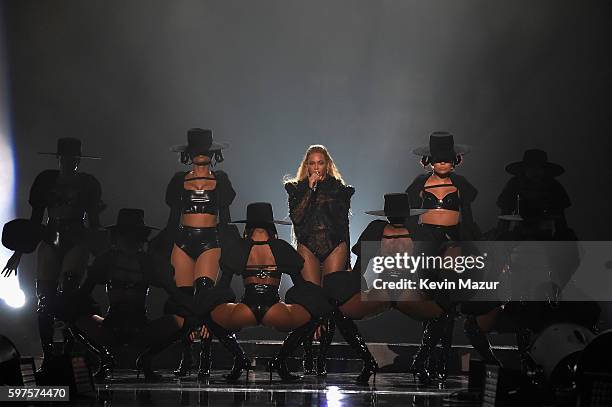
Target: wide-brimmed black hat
535 158
261 213
199 141
70 147
131 220
397 205
442 147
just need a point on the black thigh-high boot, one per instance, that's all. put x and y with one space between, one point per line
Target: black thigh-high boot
308 360
228 340
325 340
290 344
143 362
186 363
446 341
200 285
46 291
205 356
351 334
479 340
107 362
432 331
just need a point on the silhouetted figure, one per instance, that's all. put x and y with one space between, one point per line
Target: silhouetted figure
72 200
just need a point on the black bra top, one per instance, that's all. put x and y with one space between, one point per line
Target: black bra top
200 200
450 201
261 271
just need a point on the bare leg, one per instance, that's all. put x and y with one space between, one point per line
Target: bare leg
208 265
233 317
337 259
367 304
184 267
312 268
417 306
286 317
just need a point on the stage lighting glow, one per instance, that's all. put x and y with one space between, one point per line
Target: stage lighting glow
334 396
10 291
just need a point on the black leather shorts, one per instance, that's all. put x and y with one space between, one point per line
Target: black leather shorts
195 241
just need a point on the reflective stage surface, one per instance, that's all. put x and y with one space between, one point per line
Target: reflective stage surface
390 389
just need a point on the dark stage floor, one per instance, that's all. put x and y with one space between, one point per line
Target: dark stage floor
390 389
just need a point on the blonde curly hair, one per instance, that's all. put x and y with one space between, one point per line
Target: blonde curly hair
302 170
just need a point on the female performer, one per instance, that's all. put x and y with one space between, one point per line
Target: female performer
199 202
448 198
261 258
319 204
72 200
128 271
349 291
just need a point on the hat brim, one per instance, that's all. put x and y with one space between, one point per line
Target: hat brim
213 147
278 222
413 212
518 168
460 149
91 157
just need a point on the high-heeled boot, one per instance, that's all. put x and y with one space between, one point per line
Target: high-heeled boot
479 340
290 344
325 340
421 360
228 340
351 334
186 363
308 359
46 291
107 362
143 362
446 341
200 286
205 357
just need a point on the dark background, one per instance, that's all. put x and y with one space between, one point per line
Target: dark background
369 79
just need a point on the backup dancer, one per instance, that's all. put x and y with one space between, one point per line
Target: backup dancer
260 258
448 197
199 202
127 271
532 208
319 204
348 289
72 200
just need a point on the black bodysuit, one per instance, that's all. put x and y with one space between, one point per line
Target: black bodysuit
320 218
67 205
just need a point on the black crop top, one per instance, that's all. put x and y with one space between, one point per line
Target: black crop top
235 255
182 201
199 200
450 201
